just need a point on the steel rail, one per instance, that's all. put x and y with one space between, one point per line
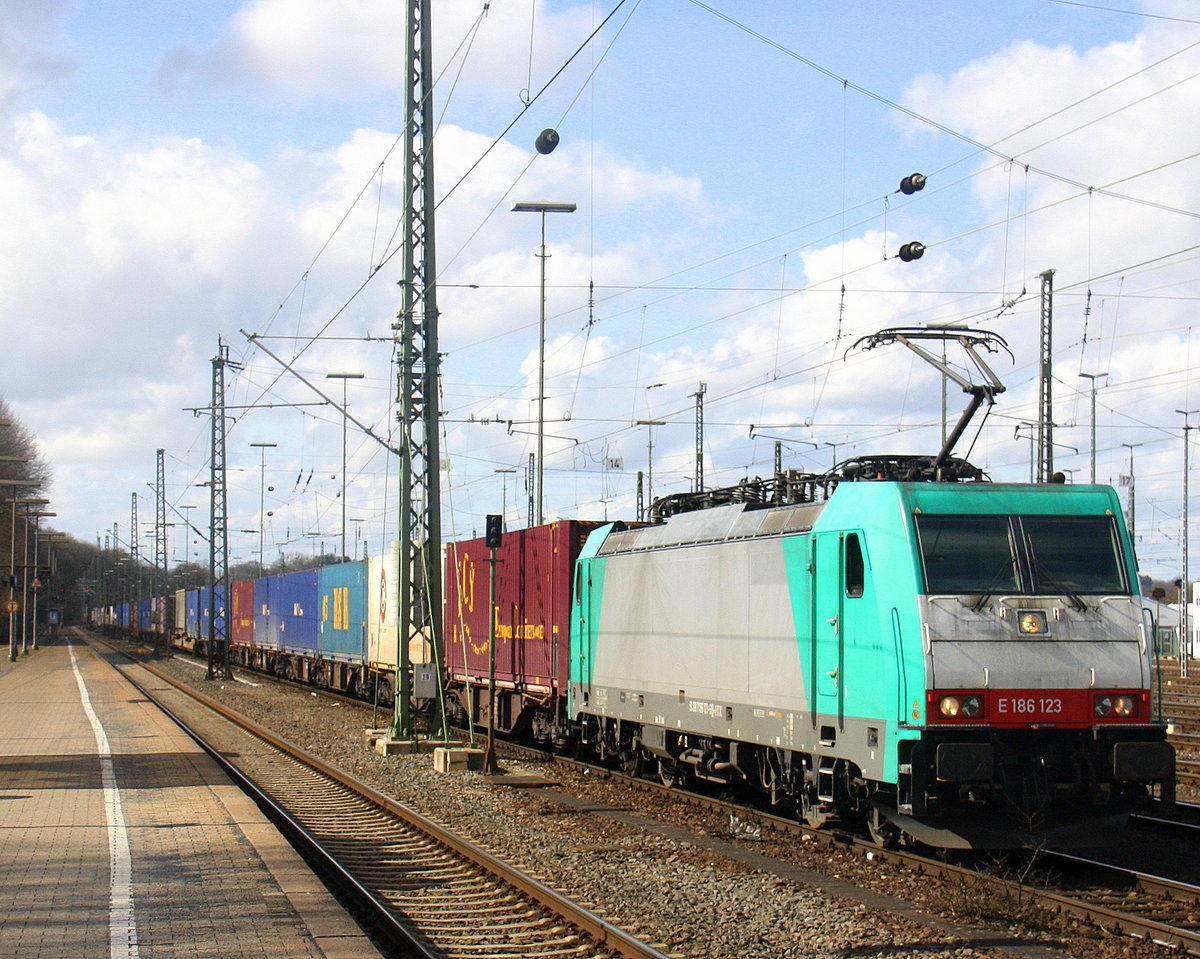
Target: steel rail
604 933
293 830
1079 908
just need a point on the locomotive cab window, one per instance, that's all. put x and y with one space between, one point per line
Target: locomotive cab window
1080 554
967 554
1029 555
856 571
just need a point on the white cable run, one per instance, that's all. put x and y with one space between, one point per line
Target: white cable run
122 927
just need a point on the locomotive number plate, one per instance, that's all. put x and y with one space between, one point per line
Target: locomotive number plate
1031 707
1041 706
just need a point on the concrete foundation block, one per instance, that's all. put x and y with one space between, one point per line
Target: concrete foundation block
407 747
457 759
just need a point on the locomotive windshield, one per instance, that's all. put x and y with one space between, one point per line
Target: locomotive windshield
1030 555
968 554
1080 554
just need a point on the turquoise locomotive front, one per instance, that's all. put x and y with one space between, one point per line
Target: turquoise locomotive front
954 661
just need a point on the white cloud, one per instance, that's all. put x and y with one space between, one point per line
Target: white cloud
352 49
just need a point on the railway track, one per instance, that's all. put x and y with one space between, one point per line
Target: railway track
1117 900
434 894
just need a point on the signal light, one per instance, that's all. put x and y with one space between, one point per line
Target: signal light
912 183
494 530
912 251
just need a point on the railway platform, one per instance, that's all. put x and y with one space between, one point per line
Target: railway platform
120 838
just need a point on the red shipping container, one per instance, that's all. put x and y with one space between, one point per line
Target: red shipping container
534 573
241 620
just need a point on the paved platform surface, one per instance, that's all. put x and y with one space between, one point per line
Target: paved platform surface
120 838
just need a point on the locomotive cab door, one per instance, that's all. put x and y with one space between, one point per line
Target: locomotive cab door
839 581
828 654
583 626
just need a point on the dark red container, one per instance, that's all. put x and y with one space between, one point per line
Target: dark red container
533 606
241 615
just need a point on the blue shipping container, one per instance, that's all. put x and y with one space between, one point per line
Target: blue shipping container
342 630
191 622
297 609
266 620
206 611
145 614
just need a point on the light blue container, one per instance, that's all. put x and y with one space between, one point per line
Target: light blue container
342 629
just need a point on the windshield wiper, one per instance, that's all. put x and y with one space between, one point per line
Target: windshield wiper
1072 599
990 591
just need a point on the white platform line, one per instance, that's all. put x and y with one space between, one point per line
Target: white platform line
122 927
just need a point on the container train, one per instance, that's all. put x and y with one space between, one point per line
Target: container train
915 648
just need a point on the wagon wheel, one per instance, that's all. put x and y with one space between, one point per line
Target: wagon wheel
383 692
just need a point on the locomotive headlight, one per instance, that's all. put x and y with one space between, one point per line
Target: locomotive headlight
1119 705
964 707
1032 622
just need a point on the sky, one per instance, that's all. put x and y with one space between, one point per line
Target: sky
175 176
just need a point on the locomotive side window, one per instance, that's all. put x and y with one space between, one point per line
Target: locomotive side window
1080 554
967 554
856 571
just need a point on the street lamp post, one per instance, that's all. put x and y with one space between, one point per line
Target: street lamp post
262 486
12 561
504 490
32 620
1092 377
1132 494
833 447
542 207
188 542
344 377
1185 638
650 424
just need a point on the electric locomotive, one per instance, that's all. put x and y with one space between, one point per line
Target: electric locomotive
964 663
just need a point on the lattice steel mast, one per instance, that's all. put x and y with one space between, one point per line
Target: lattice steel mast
160 544
218 530
419 576
1045 464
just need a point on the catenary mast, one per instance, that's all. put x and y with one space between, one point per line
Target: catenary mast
416 343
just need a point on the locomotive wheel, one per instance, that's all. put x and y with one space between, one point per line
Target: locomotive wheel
670 774
633 761
883 831
811 812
